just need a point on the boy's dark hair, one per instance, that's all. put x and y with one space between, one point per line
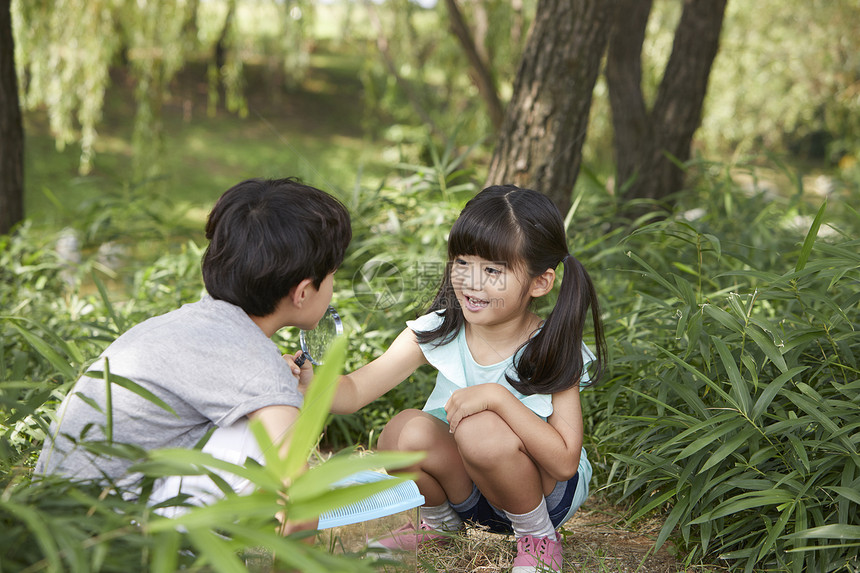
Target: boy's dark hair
524 229
266 236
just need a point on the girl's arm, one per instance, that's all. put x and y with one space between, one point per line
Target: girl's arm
555 445
372 380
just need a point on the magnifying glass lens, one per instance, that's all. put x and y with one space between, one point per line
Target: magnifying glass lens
315 342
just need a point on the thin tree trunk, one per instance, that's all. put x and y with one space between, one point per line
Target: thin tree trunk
649 145
482 75
540 143
630 120
412 95
11 129
517 22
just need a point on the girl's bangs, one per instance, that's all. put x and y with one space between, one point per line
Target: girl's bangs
489 236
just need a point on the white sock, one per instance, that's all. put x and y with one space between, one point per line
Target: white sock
441 517
536 522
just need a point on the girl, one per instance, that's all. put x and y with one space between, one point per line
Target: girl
503 427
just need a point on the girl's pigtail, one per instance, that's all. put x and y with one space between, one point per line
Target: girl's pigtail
552 359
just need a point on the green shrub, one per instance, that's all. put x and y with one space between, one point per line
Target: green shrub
734 400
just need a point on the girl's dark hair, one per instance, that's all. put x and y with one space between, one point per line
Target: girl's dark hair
266 236
524 229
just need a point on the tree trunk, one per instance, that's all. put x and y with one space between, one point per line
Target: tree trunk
650 144
11 129
540 143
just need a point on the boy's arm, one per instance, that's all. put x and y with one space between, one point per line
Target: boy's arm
372 380
277 421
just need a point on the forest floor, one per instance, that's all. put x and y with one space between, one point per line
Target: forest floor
596 539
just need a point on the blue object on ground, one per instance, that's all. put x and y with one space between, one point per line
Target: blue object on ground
400 497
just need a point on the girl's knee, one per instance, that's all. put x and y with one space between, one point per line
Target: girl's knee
485 438
410 430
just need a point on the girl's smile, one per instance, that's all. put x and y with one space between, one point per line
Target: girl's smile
474 304
486 290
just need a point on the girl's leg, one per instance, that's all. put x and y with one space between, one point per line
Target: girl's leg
497 462
496 459
441 476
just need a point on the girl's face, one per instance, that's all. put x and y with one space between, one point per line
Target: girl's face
488 292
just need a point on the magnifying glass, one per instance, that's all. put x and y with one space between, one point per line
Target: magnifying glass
315 342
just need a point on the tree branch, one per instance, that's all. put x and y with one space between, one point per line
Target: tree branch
481 74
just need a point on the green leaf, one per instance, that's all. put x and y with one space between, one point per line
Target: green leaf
767 396
225 510
119 323
134 387
165 552
723 317
320 479
218 554
37 526
767 346
315 410
183 461
740 390
730 446
811 235
833 531
728 422
47 351
655 276
846 492
745 501
656 502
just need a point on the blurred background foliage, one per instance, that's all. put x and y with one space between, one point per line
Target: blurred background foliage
731 409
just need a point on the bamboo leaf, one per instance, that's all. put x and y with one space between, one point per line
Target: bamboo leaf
846 492
811 235
740 390
218 554
319 480
730 446
833 531
723 317
767 346
655 276
47 351
745 501
772 389
315 409
733 422
134 387
37 526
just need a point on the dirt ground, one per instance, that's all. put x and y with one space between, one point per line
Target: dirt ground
595 540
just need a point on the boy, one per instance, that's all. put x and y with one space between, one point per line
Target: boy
274 246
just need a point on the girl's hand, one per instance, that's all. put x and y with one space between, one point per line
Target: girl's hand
467 401
304 373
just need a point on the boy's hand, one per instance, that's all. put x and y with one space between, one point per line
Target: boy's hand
304 373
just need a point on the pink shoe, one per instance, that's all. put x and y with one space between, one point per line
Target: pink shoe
538 554
406 538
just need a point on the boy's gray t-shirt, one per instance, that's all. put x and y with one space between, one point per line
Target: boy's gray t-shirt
207 360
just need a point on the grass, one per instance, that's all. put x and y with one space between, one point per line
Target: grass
596 540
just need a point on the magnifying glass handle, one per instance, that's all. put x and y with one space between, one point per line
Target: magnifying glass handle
301 359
